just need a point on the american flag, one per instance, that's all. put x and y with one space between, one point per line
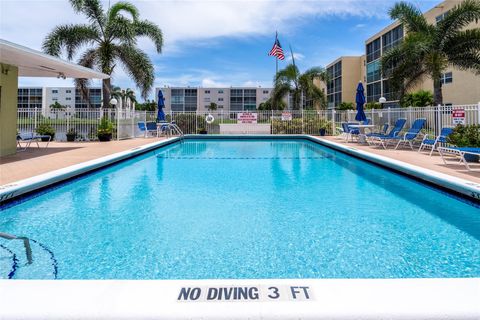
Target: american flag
277 50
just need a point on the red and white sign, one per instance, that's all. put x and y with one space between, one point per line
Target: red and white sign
246 117
458 116
286 116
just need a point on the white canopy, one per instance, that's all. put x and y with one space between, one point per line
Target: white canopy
32 63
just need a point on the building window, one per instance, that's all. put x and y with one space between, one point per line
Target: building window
54 91
68 98
55 99
220 91
442 16
374 91
373 50
446 78
220 99
220 106
206 99
207 91
68 91
266 92
373 71
392 38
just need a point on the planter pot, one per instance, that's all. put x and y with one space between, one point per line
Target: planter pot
46 139
105 137
322 132
71 137
471 157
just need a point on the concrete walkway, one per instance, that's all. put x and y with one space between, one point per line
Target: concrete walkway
418 159
59 155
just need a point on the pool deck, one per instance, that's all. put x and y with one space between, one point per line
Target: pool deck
423 160
59 155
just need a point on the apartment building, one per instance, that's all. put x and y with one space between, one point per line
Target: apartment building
459 87
69 97
344 75
226 99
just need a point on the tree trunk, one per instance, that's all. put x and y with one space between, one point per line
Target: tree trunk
437 92
106 93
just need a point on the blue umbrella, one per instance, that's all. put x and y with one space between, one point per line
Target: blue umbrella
161 105
360 100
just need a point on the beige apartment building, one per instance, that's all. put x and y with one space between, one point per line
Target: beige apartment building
226 99
459 87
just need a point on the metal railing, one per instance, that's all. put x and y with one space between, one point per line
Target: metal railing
26 244
86 121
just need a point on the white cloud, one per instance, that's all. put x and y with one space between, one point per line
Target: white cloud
297 56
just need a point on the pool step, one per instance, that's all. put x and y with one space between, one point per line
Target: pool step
14 263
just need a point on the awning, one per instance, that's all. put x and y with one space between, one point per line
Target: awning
32 63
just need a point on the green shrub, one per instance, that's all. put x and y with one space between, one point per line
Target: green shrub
346 106
105 127
310 126
465 136
373 105
189 123
46 130
421 98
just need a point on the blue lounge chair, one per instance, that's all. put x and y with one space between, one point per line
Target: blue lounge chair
464 154
148 128
412 134
28 138
382 139
433 143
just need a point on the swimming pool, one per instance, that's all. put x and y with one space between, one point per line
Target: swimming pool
213 209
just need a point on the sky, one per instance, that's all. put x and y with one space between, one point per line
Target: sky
219 43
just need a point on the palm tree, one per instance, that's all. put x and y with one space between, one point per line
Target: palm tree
126 96
428 50
111 39
300 86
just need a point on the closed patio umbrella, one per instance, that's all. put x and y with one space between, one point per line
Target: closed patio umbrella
160 105
360 100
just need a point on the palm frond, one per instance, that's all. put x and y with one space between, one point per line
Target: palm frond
459 17
118 7
410 16
70 37
151 30
138 66
120 28
92 9
463 42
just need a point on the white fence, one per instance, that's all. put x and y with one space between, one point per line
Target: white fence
85 122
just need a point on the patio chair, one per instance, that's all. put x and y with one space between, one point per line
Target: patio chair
383 140
412 134
148 128
28 138
433 143
465 155
382 132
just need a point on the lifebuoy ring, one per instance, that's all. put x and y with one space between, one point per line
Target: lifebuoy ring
209 119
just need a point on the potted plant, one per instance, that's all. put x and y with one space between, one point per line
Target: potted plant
71 134
202 131
466 136
322 129
105 130
46 130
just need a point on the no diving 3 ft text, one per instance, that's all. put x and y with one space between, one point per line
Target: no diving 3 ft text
245 293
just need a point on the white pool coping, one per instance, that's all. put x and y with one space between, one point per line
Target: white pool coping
328 299
158 299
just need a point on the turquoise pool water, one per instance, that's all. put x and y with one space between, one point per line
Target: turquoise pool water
204 209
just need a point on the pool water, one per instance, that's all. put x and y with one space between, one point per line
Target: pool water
205 209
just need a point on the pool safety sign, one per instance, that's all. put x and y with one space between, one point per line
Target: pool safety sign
246 117
286 116
259 293
458 116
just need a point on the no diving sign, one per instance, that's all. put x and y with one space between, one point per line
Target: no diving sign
245 293
458 116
